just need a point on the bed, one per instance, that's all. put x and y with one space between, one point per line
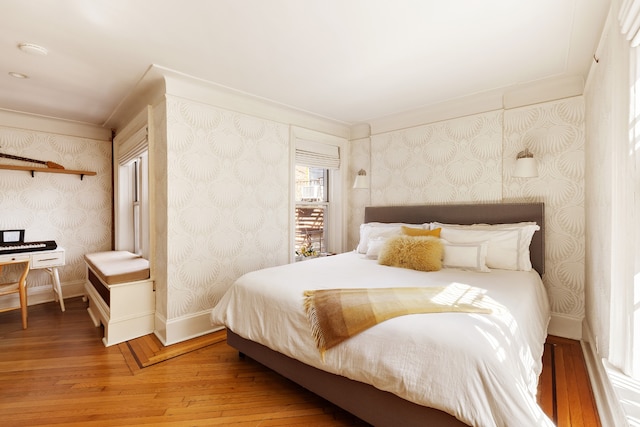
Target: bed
444 369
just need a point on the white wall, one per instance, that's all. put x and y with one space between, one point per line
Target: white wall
471 158
75 213
222 168
228 200
611 239
601 98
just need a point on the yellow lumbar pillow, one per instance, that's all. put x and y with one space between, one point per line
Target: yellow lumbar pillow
423 253
409 231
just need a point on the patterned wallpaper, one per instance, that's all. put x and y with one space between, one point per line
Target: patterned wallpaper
227 201
554 132
359 155
453 161
224 187
75 213
470 159
158 206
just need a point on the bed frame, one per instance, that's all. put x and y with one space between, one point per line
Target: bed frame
377 407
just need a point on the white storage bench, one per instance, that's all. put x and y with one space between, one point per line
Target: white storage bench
121 295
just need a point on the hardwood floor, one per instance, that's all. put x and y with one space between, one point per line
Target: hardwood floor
564 391
57 372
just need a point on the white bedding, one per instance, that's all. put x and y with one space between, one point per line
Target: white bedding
483 369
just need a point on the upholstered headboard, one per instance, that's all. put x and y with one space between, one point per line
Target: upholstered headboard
488 213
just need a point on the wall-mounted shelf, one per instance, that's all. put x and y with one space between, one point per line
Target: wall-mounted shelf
47 170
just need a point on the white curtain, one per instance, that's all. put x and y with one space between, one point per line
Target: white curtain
629 18
625 241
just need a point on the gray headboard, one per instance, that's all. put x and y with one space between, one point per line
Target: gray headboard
488 213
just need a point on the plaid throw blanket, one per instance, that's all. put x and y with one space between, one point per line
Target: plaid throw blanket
338 314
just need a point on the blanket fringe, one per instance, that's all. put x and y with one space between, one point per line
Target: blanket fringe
312 316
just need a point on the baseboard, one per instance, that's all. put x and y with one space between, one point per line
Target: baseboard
183 328
44 294
565 326
607 402
73 289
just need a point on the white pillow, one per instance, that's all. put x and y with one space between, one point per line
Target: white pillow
378 229
468 256
525 230
375 244
502 251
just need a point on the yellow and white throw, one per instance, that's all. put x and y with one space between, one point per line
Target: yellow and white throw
338 314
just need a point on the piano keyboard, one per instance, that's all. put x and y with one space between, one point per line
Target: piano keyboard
28 247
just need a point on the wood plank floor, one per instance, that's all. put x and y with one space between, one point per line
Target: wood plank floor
57 372
148 350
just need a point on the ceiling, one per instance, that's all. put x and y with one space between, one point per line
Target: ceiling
347 60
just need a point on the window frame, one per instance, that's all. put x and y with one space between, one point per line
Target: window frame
336 191
325 203
132 216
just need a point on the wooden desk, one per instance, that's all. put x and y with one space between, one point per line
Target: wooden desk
47 260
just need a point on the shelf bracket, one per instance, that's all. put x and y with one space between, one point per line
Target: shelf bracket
33 174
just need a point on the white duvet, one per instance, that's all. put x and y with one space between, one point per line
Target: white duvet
482 369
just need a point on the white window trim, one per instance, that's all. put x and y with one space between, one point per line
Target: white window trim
128 145
337 189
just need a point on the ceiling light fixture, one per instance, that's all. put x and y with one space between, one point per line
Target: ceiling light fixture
18 75
33 49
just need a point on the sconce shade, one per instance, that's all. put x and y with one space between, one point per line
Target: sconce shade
362 180
526 165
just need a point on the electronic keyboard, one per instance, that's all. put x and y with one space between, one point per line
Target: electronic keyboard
14 248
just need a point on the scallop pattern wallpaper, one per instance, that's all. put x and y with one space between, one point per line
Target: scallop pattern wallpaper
453 161
228 200
75 213
359 155
554 133
471 159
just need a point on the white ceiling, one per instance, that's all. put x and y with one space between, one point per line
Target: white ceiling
348 60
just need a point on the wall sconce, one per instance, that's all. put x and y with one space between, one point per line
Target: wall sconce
362 180
526 166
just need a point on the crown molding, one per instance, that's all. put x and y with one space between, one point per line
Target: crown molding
32 122
159 81
500 99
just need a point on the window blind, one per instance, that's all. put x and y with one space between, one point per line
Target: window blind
316 154
133 147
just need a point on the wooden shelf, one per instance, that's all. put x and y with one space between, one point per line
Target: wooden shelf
47 170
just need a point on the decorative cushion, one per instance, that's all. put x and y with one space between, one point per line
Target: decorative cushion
114 267
411 231
423 253
375 245
502 251
467 256
380 229
524 231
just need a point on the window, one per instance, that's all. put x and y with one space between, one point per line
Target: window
318 189
131 180
311 210
139 202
